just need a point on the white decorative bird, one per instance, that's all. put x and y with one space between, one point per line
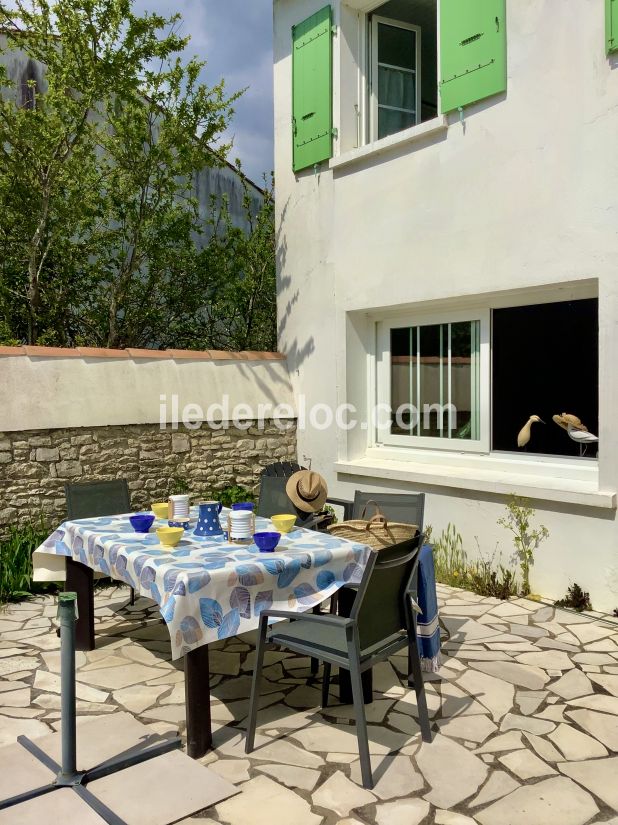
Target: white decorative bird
581 437
577 430
525 433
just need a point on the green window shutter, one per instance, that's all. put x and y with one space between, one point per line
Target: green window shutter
472 51
611 26
312 107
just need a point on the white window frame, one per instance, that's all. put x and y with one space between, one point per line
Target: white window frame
374 21
382 436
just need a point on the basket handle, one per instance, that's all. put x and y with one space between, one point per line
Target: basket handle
378 520
378 512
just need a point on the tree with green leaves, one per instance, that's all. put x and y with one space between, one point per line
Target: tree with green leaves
101 239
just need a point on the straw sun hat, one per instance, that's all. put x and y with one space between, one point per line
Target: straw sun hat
307 491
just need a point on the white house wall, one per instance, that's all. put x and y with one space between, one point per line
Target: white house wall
520 197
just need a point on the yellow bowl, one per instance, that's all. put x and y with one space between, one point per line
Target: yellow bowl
170 536
283 523
160 510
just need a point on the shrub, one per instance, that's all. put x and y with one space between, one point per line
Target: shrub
16 562
575 598
526 539
499 583
481 575
231 495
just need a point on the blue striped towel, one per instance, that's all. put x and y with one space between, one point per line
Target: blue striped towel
427 624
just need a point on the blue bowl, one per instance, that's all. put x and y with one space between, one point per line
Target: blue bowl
266 542
243 505
142 522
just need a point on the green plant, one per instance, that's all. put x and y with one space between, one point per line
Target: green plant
576 598
480 575
486 580
178 486
231 495
526 538
331 512
450 559
16 561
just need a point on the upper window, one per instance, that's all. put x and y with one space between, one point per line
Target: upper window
393 48
517 379
402 76
395 76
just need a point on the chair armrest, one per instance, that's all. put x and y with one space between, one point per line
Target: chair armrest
318 618
341 502
312 523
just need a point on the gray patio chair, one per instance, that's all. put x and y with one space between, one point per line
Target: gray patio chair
91 499
406 507
380 624
274 499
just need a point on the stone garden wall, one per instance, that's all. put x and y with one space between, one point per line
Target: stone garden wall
94 415
35 465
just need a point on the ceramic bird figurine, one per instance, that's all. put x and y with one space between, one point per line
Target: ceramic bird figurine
525 433
576 430
581 437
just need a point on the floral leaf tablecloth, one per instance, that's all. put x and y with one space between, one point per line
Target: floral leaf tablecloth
208 588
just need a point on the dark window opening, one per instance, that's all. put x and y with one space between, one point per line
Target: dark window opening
545 363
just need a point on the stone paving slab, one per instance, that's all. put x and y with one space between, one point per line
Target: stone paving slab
524 714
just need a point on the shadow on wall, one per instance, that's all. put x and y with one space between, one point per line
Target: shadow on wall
296 352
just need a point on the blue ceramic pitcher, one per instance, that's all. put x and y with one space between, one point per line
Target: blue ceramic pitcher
208 519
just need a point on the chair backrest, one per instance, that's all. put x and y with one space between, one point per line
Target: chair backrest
408 508
274 500
381 608
283 469
97 498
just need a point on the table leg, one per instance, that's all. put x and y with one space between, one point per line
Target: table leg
197 701
80 579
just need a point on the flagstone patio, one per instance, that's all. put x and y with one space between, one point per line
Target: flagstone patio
524 709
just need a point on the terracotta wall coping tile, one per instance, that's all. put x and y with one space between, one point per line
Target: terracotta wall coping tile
96 352
253 355
190 354
148 353
130 352
51 352
223 355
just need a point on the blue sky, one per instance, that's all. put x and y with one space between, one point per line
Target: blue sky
235 37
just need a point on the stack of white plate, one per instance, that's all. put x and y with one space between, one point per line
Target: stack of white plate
241 522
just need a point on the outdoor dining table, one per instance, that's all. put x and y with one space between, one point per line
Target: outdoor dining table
207 589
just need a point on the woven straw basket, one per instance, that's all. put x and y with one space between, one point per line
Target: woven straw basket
376 531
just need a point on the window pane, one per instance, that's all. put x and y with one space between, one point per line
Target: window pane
391 121
462 347
396 46
435 369
396 88
402 374
433 364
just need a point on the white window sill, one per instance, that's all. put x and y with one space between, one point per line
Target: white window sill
488 479
378 147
